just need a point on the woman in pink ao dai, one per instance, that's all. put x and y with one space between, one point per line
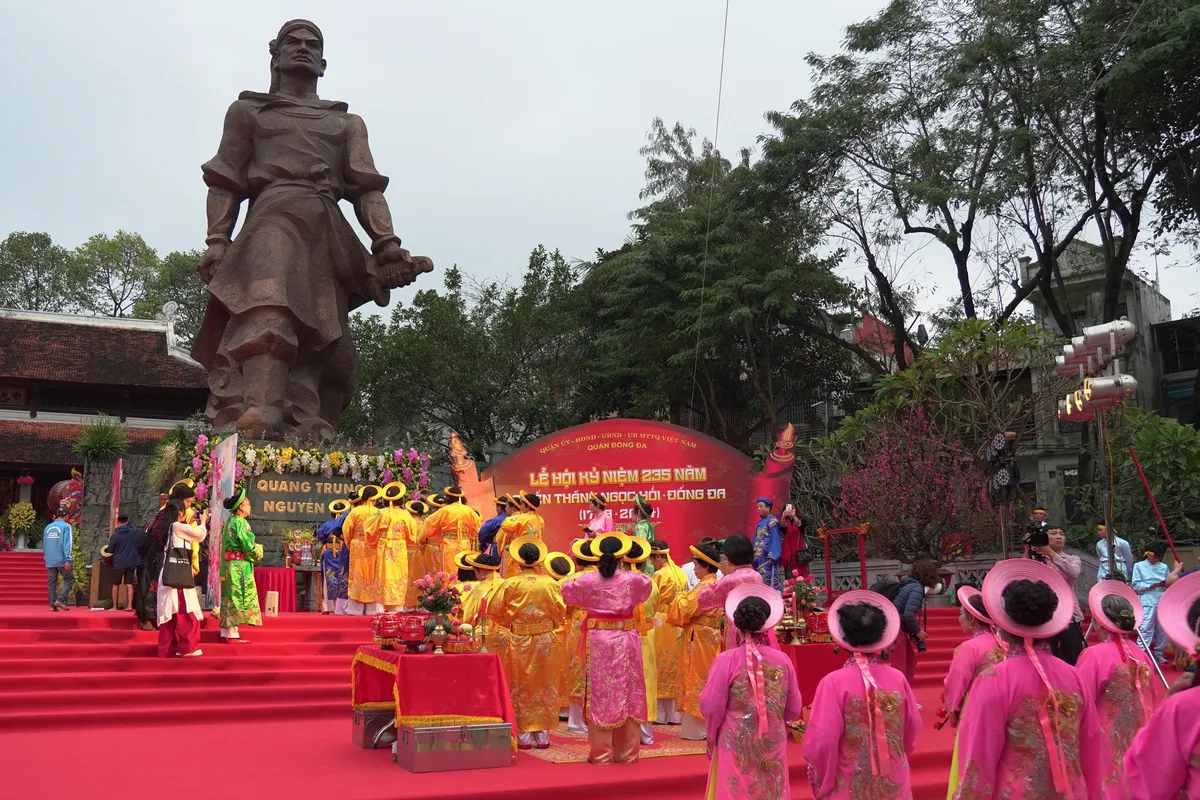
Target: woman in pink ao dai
864 721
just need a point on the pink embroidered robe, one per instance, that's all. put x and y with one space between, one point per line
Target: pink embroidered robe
616 687
837 741
971 657
713 597
1002 749
748 767
1120 706
1164 759
600 523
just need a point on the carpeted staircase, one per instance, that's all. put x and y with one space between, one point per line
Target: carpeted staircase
23 579
83 666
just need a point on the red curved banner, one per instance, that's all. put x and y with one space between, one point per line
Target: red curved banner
698 486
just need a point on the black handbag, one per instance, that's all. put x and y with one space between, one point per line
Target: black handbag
177 566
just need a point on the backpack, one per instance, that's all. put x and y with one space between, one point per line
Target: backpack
888 587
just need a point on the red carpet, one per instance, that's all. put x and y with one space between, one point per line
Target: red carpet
23 579
87 681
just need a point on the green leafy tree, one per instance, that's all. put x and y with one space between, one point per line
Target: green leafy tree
1170 456
117 271
494 363
36 274
1031 125
175 280
699 316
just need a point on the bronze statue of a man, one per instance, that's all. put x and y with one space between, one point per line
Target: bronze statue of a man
275 338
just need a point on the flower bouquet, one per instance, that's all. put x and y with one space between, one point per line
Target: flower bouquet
437 595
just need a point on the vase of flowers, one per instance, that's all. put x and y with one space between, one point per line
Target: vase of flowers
438 596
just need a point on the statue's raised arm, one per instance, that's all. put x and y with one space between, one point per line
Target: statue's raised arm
275 338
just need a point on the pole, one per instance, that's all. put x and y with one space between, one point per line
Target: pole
1005 512
1150 494
1109 535
1153 660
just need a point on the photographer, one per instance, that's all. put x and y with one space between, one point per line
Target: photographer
795 547
1049 549
909 600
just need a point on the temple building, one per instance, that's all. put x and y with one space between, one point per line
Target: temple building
58 371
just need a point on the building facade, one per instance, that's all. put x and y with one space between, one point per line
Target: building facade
59 371
1049 462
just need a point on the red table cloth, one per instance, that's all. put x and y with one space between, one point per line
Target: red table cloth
427 689
276 579
815 660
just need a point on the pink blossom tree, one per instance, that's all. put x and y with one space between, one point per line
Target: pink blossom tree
921 493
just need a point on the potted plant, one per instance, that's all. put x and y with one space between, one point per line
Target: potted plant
21 519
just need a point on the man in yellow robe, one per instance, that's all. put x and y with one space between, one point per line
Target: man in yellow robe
418 564
478 608
702 640
560 567
395 531
531 607
455 526
522 521
670 581
574 683
360 533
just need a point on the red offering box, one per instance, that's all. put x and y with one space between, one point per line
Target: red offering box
818 622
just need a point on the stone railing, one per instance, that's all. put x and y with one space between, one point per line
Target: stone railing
846 575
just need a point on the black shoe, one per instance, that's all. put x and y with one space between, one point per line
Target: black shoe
54 608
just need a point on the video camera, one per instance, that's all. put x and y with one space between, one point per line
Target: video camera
1037 534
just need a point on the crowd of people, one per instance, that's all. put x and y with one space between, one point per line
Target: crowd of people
615 636
164 568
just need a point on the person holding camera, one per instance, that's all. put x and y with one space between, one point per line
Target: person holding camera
909 600
1050 549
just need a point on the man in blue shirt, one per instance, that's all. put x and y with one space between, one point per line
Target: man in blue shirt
127 545
1123 563
56 548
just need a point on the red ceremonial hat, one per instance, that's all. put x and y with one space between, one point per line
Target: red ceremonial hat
1102 590
1173 609
891 616
1015 569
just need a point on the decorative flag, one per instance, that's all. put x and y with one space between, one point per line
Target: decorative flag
224 464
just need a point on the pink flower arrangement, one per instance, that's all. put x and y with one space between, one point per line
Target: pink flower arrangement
201 443
800 594
436 594
197 464
201 491
387 476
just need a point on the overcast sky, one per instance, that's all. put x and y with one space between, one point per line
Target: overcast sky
501 125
